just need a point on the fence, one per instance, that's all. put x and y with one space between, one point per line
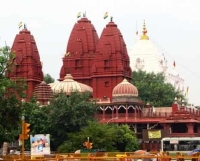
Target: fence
102 156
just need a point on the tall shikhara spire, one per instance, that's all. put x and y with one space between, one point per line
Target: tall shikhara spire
111 64
28 64
144 35
81 46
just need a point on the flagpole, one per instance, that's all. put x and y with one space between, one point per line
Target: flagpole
136 27
136 33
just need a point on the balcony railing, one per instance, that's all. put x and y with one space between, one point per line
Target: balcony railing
145 115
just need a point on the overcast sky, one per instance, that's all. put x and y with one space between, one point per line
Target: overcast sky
173 25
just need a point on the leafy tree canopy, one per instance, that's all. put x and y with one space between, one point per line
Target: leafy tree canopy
110 137
10 109
48 79
153 89
70 121
37 117
7 59
64 114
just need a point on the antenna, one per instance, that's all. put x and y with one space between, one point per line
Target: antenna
111 19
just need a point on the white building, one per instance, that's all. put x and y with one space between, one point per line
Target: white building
145 56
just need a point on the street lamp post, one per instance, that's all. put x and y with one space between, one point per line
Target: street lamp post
24 134
22 140
112 119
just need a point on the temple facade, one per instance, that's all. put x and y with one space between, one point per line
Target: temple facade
101 63
101 66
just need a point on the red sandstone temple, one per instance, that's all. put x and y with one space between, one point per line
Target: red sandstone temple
101 66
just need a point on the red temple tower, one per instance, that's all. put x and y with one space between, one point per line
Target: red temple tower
111 64
80 52
28 64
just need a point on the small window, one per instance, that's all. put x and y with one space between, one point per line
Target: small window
106 63
106 84
78 63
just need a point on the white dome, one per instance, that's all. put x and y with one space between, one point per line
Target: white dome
69 85
145 56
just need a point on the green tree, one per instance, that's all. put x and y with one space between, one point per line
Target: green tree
154 90
110 137
37 117
7 59
126 139
10 105
69 114
48 79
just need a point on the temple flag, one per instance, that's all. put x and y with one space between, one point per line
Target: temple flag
136 29
79 15
67 54
105 15
187 90
174 64
20 25
154 134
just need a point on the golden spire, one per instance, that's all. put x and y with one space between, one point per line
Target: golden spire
144 36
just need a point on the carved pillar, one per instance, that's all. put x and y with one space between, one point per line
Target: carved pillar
103 113
190 127
135 112
113 112
135 129
117 112
126 112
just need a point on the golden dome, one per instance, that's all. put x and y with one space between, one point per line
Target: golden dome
69 85
144 36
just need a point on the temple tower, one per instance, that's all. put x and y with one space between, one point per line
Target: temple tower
80 52
145 56
111 64
28 64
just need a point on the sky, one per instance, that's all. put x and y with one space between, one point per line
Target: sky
173 25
